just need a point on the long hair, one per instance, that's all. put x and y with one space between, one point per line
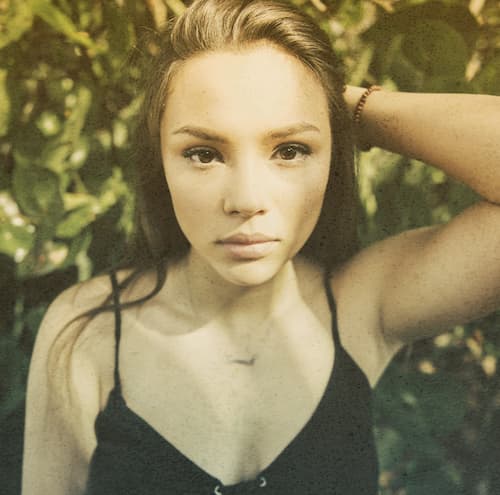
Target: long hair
207 26
211 25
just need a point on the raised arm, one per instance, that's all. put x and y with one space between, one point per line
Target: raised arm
429 279
456 132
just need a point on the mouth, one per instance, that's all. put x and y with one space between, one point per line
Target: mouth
248 246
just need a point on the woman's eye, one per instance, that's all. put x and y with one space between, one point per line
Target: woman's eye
203 156
290 152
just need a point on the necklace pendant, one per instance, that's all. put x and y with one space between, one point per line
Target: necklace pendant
244 362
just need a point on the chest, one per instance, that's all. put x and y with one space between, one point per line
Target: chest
230 419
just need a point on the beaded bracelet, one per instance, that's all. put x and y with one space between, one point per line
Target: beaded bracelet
356 117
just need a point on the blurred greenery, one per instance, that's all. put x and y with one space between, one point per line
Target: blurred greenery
68 105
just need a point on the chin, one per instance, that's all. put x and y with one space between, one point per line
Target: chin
250 273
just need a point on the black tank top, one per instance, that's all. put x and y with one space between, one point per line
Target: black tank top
333 454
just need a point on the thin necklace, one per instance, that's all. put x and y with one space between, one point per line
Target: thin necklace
253 355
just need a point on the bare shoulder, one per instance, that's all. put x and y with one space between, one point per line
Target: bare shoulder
65 320
71 346
73 302
74 307
65 391
72 361
75 335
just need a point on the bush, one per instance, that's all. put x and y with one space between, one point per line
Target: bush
69 97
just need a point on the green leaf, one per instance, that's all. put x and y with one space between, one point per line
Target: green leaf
76 221
401 70
436 48
16 17
79 154
445 83
15 241
120 133
28 144
390 447
441 401
488 79
59 21
48 123
54 155
78 251
390 63
86 208
434 404
72 201
76 120
120 34
4 104
434 480
177 6
14 367
69 149
52 257
33 317
37 191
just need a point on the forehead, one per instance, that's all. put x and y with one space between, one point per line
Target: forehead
259 86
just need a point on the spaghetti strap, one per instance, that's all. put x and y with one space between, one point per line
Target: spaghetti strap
333 310
118 324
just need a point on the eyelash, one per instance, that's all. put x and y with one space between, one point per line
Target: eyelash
302 149
191 152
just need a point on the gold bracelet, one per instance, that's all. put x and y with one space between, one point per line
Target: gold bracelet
356 117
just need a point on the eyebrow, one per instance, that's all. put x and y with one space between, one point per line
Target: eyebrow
208 135
201 133
292 129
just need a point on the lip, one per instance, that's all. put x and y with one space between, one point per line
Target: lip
248 246
246 239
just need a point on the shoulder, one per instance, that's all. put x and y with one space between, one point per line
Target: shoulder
72 302
71 311
74 346
80 307
70 377
63 393
76 339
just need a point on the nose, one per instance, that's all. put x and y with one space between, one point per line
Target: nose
245 191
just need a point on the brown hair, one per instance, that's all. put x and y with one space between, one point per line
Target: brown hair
211 25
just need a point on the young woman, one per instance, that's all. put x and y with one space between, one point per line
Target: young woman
238 353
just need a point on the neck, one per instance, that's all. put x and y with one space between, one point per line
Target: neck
213 297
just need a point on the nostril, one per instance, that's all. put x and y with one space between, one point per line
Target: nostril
244 211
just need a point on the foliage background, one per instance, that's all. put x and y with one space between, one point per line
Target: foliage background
68 104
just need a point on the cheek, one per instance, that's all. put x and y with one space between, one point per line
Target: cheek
304 206
309 208
193 204
311 198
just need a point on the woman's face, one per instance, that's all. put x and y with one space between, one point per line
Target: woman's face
246 147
